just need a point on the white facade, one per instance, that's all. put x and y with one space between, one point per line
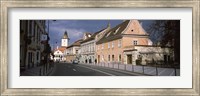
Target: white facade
59 56
88 48
88 52
149 54
75 50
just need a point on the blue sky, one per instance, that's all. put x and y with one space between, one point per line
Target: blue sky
76 28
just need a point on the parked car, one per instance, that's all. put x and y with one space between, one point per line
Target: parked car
75 62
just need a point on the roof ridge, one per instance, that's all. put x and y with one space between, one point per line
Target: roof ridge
111 32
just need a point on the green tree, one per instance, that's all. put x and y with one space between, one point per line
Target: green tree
167 33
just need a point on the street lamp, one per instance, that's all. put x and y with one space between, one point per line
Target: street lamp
48 48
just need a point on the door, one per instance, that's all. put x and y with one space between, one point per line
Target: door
129 59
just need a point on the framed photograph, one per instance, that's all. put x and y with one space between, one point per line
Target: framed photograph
99 47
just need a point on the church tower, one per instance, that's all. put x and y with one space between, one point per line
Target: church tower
65 39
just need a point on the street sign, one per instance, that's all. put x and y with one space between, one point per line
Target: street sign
43 37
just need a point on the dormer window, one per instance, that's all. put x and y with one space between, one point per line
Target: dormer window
89 35
108 34
117 30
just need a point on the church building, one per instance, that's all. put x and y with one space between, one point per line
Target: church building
59 52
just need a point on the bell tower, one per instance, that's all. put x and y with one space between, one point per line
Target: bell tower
65 40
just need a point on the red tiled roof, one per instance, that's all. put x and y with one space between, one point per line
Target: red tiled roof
62 49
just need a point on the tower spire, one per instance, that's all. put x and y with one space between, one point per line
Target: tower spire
65 39
65 36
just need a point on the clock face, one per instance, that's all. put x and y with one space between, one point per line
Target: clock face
64 42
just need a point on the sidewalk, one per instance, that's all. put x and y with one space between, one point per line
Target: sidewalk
37 71
145 70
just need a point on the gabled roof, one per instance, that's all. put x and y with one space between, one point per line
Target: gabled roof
114 33
92 37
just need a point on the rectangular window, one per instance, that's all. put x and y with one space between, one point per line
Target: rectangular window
119 43
108 57
135 42
112 44
108 45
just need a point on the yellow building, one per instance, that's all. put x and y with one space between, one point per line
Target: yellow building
73 51
88 45
117 44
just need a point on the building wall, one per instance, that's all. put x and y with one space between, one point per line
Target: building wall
157 54
64 42
129 41
88 52
73 50
134 27
59 56
149 54
70 58
72 53
30 42
104 51
131 34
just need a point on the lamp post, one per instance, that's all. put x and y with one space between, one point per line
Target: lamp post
48 48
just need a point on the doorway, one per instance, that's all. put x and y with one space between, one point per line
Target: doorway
98 59
129 59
